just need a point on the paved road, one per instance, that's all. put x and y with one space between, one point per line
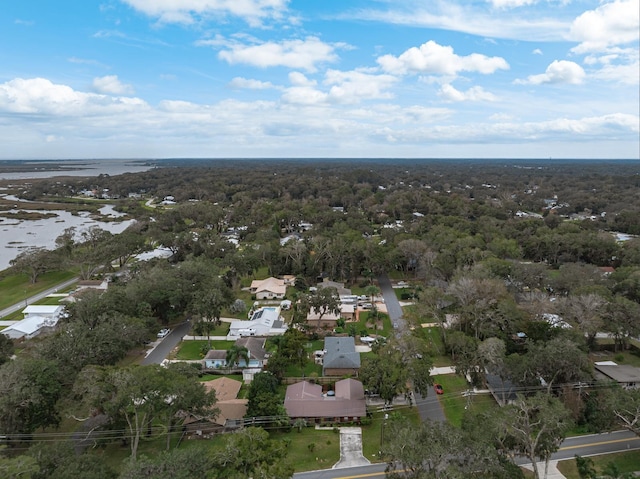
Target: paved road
374 471
36 297
391 301
595 444
166 344
428 407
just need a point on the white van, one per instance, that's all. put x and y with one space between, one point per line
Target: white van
247 332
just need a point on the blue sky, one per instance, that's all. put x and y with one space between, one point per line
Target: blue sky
319 78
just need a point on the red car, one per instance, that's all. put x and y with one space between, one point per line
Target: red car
438 389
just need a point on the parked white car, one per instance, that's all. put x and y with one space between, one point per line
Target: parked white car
164 332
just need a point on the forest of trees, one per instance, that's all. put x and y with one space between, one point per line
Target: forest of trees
498 246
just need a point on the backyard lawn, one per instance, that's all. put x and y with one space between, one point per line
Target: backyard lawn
191 350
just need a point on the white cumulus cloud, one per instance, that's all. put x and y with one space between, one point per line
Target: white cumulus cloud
559 71
432 58
250 84
185 11
299 79
614 23
353 86
512 3
476 93
111 85
299 54
41 96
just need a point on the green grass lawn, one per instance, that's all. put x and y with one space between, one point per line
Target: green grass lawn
630 357
311 449
15 288
381 327
453 402
373 434
310 369
625 461
190 350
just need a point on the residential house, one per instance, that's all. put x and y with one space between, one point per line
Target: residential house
49 312
270 288
339 286
627 376
345 403
84 285
37 320
502 389
327 320
340 357
231 409
217 358
97 284
27 328
263 322
257 353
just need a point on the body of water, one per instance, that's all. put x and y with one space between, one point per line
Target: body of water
42 169
18 235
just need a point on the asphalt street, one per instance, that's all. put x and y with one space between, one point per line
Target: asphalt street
164 346
428 406
594 444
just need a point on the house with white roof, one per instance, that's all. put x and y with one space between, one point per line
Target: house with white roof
263 322
37 319
51 312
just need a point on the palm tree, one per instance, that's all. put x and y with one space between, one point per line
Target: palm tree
235 354
372 291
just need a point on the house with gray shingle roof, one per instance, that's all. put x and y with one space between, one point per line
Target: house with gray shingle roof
340 357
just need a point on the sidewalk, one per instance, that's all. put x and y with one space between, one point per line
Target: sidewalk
553 472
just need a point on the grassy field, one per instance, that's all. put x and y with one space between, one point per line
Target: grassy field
191 350
624 461
373 434
630 357
16 288
311 449
381 327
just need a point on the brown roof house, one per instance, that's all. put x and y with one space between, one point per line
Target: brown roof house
340 357
231 409
345 403
270 288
